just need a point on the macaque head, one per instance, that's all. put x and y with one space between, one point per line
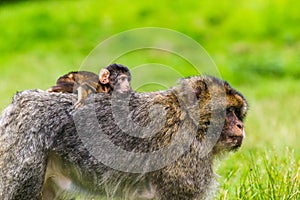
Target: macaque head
117 77
222 110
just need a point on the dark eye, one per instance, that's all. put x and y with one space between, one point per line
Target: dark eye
236 111
230 109
123 78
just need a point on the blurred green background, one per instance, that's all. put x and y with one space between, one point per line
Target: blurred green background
255 45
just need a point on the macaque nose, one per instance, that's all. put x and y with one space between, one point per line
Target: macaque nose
240 125
237 130
240 129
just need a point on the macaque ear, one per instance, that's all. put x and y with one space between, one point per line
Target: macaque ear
104 76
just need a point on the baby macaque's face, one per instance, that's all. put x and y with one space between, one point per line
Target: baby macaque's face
122 84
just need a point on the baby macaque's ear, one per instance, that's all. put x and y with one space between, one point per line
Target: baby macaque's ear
104 76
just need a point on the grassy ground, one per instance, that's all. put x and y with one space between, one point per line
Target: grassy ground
255 45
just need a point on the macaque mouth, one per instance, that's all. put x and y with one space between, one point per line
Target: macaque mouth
234 142
235 148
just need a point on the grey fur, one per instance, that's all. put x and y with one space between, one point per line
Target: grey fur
38 125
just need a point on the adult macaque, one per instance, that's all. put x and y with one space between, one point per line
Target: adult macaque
42 154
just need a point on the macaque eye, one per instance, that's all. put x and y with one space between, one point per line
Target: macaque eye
233 109
230 109
122 78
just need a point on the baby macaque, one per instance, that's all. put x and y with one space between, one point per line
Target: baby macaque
115 77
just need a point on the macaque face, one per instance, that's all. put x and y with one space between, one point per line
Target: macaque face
122 84
233 132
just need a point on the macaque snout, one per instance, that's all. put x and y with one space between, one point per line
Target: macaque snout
237 135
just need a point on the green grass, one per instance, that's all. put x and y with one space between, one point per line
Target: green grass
255 45
262 175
